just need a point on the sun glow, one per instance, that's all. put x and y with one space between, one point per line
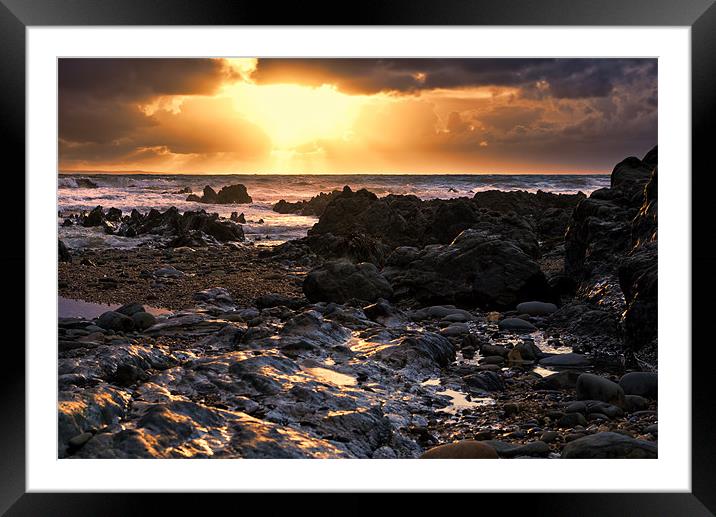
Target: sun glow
297 116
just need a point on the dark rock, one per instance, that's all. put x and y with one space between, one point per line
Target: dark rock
63 253
644 384
594 387
238 218
474 269
427 349
508 450
569 360
609 446
570 420
130 308
112 320
638 278
314 206
559 381
633 403
94 218
536 308
232 194
339 281
85 183
465 449
517 325
143 320
485 381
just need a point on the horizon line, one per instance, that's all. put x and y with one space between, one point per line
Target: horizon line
372 173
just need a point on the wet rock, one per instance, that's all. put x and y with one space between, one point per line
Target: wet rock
384 313
88 408
549 436
277 300
425 349
112 320
536 308
571 420
633 403
129 309
466 449
78 441
638 279
227 195
559 381
569 360
143 320
314 206
644 384
608 445
485 381
487 349
516 325
85 183
168 272
214 296
595 387
238 217
508 450
94 218
340 281
63 253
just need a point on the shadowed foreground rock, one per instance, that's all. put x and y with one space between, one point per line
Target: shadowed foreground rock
339 281
609 446
475 269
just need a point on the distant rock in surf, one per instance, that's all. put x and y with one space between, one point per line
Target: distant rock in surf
227 195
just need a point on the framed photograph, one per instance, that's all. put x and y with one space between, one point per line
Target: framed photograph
267 251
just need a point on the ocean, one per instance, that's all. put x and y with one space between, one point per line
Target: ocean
264 226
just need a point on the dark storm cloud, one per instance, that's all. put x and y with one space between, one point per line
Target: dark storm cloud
567 78
100 118
139 78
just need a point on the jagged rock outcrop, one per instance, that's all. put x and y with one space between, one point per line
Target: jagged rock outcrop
197 228
612 239
314 206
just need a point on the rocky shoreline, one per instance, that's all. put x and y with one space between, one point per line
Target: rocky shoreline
505 325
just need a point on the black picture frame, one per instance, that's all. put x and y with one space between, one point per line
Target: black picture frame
700 15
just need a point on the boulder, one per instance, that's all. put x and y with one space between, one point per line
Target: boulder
424 350
559 381
609 445
112 320
130 308
644 384
94 218
595 387
570 360
516 325
143 320
339 281
63 252
465 449
536 308
476 268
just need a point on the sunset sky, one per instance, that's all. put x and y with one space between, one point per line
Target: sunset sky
246 115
